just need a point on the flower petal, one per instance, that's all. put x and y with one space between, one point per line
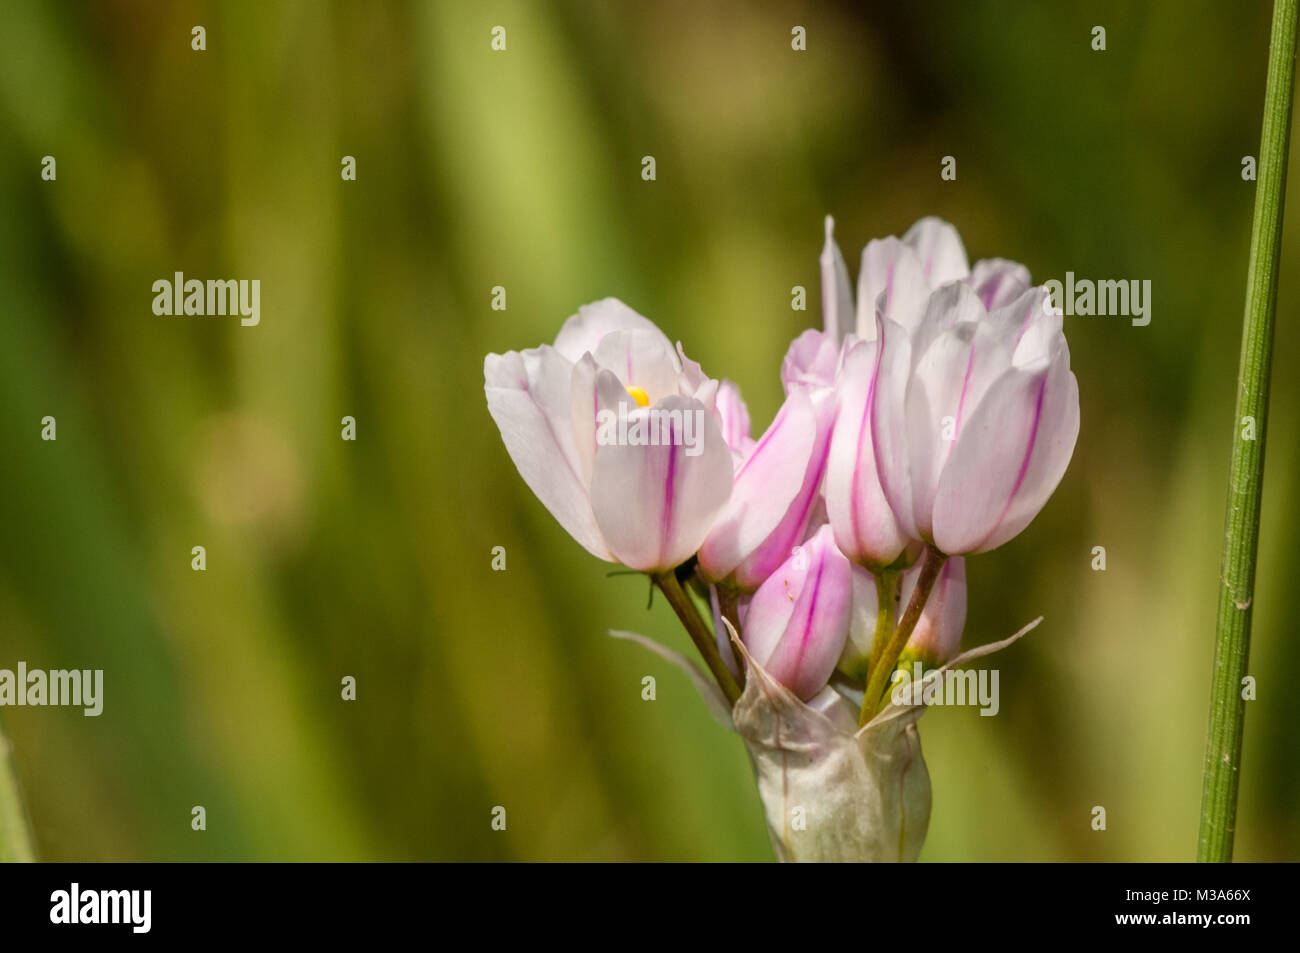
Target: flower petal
999 282
946 307
939 247
837 294
593 390
583 332
804 508
948 382
1025 328
529 397
641 359
1009 458
655 502
766 486
811 360
889 424
733 419
693 382
891 278
864 525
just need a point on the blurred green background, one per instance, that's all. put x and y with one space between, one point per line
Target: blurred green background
522 169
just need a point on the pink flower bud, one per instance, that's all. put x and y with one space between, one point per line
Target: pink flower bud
937 635
798 619
775 493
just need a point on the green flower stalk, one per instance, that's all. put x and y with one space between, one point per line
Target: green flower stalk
1245 481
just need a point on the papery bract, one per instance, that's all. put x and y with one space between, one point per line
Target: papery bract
831 791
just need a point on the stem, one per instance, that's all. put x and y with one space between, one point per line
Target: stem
1245 479
15 834
931 566
886 609
729 608
698 631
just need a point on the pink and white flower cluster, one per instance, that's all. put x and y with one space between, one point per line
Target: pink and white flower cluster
931 417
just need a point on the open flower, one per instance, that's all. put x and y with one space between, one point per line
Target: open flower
617 433
896 278
958 412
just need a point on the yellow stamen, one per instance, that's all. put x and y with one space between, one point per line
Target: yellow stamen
641 397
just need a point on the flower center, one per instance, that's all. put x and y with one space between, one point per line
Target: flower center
641 397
